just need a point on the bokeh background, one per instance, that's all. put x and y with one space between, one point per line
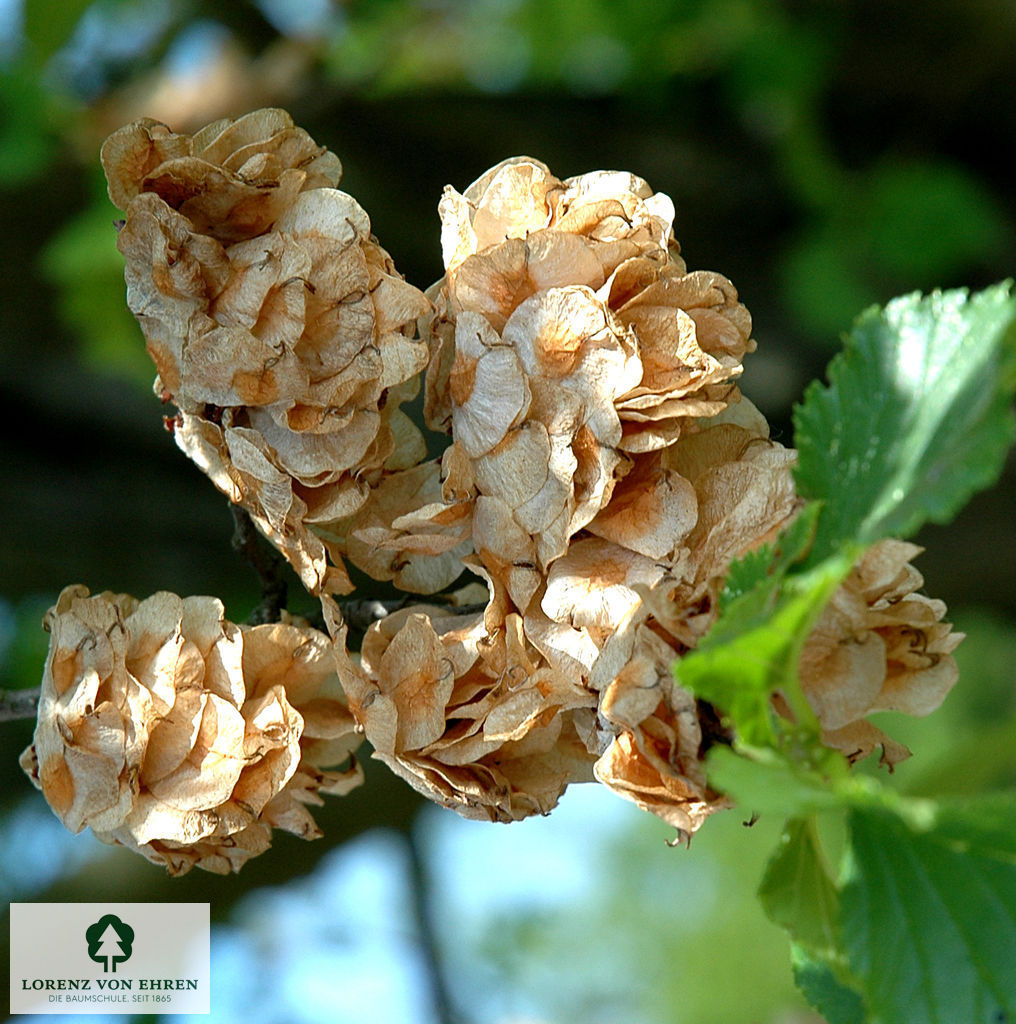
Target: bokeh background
823 154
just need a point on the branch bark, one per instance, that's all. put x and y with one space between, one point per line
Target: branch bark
18 704
269 565
271 568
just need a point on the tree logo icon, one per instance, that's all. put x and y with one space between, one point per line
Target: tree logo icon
109 942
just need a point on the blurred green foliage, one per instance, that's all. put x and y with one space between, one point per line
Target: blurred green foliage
901 220
861 221
24 644
653 944
85 270
48 26
28 114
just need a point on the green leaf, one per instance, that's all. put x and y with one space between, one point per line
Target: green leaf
769 563
797 892
765 781
916 416
754 647
928 914
823 989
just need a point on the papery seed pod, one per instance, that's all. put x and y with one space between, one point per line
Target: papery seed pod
468 713
878 646
171 731
744 495
668 535
232 179
278 325
649 729
570 342
518 232
408 533
633 599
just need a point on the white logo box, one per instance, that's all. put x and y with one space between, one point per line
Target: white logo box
110 958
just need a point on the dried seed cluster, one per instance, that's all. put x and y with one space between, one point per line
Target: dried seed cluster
878 646
168 730
279 327
603 472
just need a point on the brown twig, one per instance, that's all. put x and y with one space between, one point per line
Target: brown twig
361 612
18 704
271 567
266 562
